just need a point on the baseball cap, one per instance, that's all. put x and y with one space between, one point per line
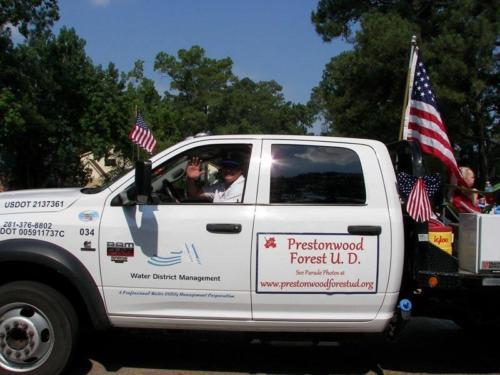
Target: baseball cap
230 163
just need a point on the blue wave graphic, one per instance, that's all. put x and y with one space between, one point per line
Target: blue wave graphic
166 259
196 254
188 253
163 264
176 257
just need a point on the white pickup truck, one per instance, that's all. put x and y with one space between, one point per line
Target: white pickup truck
317 244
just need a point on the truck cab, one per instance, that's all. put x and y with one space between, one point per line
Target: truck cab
315 225
315 243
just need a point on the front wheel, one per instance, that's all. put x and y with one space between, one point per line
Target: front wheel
38 328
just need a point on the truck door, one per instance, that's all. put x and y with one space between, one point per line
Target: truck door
181 256
322 233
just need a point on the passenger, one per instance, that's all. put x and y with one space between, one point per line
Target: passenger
228 191
466 201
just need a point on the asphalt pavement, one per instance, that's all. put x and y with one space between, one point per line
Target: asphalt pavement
426 346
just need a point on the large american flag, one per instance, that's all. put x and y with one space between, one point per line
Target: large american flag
142 135
422 120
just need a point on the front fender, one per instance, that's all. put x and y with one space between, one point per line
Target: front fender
63 262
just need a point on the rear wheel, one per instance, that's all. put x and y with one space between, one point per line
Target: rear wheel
38 328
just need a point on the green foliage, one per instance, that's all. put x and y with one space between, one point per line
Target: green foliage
29 16
207 96
362 91
199 84
56 105
250 107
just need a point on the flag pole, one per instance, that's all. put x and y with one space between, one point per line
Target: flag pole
137 146
407 86
133 152
133 145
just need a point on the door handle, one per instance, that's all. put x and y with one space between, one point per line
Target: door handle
224 228
366 230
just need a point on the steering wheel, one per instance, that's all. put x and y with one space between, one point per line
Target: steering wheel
170 190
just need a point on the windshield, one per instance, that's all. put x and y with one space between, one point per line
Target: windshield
108 182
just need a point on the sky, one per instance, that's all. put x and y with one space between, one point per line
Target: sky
266 39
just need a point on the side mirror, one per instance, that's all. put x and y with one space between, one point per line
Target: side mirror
143 181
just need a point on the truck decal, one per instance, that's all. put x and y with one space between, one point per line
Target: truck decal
164 276
87 246
30 229
176 257
34 204
87 216
119 251
321 263
87 231
178 294
27 224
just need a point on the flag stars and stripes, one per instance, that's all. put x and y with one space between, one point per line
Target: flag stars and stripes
419 205
141 135
407 181
423 123
418 190
422 88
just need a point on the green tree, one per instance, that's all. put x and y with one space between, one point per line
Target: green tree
105 120
28 16
361 91
158 111
58 107
259 107
198 84
206 96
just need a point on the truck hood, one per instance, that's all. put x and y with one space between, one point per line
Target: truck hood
42 200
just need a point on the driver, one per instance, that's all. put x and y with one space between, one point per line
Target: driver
230 190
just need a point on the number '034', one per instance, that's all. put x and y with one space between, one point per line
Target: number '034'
86 232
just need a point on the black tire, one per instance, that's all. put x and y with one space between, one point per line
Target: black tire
38 329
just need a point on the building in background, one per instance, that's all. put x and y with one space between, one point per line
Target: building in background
100 170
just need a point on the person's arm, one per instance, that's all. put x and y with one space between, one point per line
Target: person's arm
468 208
467 205
473 197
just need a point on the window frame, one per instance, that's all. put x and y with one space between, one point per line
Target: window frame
369 167
250 189
293 161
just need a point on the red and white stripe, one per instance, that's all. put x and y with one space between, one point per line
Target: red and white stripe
425 126
418 205
143 137
423 123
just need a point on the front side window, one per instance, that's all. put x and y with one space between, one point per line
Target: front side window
316 175
206 174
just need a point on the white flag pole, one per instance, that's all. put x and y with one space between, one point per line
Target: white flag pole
408 88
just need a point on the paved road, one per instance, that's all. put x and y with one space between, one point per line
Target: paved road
425 347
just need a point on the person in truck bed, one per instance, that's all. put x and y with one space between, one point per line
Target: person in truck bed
466 201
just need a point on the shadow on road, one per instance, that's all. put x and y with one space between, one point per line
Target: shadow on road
426 346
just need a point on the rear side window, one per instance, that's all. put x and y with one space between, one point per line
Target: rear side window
316 174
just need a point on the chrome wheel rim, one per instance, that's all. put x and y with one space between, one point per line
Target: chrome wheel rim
26 337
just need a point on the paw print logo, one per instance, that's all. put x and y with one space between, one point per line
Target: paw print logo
270 243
